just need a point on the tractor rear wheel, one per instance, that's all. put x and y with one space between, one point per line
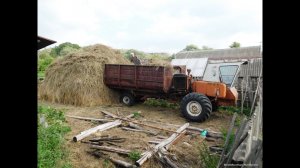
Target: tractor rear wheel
127 99
196 107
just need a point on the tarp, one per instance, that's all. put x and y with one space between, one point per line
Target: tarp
197 65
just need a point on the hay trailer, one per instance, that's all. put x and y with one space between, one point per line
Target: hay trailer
139 82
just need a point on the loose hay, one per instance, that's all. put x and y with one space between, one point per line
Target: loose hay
77 79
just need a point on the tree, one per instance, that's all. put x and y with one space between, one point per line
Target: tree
191 47
57 50
235 45
206 48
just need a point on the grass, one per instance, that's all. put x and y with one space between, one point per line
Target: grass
51 152
208 159
107 164
136 114
134 155
161 103
231 109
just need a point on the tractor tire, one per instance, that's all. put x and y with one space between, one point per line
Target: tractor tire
196 107
127 98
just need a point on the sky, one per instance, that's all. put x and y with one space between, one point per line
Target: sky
152 25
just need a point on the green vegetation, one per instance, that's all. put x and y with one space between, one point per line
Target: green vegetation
144 55
51 152
231 139
64 49
208 159
161 103
193 47
48 55
232 109
107 164
44 62
134 155
41 74
235 45
136 114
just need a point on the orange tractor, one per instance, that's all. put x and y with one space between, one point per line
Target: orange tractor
198 97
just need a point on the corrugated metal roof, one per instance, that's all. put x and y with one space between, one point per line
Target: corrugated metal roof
197 65
230 53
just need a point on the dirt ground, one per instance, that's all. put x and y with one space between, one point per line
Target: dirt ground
187 155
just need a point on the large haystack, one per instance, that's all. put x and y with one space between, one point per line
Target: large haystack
78 78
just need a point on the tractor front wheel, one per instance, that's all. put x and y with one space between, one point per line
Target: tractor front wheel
196 107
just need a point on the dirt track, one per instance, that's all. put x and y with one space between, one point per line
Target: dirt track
187 156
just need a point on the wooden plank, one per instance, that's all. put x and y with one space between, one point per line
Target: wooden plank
179 137
88 118
101 127
111 149
213 133
159 146
154 142
237 140
227 140
109 114
169 162
121 163
132 125
117 117
137 130
111 139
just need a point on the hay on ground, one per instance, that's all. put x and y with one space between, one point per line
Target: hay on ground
77 78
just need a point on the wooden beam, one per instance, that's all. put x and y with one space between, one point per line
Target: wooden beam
159 146
137 130
111 149
89 119
213 133
169 162
132 125
135 122
226 141
101 127
110 114
121 163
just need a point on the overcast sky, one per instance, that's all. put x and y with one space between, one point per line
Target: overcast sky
151 25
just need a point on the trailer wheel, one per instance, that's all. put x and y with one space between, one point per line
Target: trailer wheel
127 99
196 107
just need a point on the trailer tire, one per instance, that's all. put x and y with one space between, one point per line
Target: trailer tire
127 99
196 107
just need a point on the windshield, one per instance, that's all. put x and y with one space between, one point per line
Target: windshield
227 73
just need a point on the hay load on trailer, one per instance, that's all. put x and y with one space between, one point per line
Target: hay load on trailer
77 78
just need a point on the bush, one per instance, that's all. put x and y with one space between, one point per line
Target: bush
50 138
44 62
